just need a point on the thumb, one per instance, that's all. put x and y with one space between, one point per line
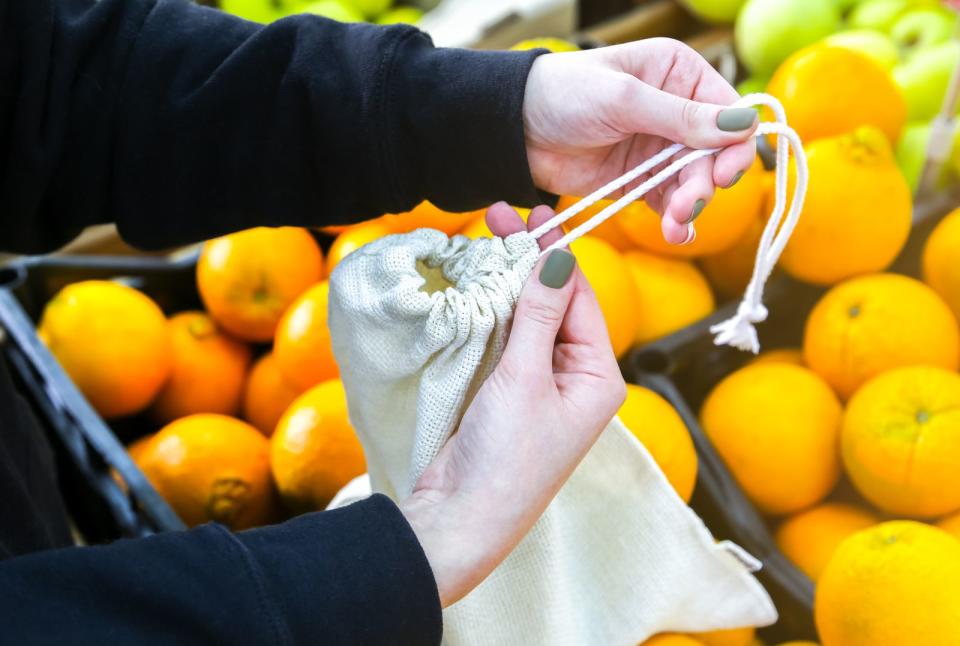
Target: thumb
691 123
540 311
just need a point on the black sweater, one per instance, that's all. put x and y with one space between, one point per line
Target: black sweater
180 123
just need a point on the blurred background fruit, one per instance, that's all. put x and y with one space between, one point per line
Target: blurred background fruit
941 266
353 238
768 31
721 11
303 348
112 341
875 45
672 639
248 279
267 394
212 468
951 524
729 271
733 637
314 451
209 370
810 537
782 355
924 78
611 231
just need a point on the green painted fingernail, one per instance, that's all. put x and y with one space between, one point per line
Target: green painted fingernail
697 209
557 269
736 119
736 178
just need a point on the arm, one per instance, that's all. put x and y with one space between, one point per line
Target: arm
180 122
356 575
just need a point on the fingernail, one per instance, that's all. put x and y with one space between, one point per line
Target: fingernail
697 209
557 268
736 119
691 235
736 178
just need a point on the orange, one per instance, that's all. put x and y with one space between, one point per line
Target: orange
780 355
901 441
212 468
354 238
857 213
810 537
248 279
209 369
732 637
891 585
337 229
940 267
775 425
112 341
303 348
673 294
672 639
137 448
314 451
612 281
477 227
610 230
730 270
426 215
867 325
951 524
654 422
827 91
267 394
726 219
799 643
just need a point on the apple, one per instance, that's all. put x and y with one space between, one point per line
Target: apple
923 79
332 9
877 14
409 15
722 11
919 29
752 85
262 11
370 8
875 45
911 151
768 31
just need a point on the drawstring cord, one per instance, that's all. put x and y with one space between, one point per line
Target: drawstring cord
739 330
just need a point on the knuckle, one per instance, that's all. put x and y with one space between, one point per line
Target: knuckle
541 313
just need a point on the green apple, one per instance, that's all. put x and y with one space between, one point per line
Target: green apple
911 151
370 8
924 78
768 31
722 11
555 45
332 9
263 11
409 15
875 45
877 14
752 85
919 29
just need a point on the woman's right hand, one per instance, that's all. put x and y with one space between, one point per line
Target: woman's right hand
554 390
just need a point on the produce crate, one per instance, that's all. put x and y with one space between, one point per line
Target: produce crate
107 496
686 365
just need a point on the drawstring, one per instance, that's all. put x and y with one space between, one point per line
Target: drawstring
739 330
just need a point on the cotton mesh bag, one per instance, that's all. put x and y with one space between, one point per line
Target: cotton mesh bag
419 321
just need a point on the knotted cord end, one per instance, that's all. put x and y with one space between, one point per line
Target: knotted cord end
738 331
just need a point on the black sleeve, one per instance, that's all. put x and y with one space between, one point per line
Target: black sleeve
353 576
179 122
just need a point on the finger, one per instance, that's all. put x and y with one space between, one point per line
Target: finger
538 216
733 162
503 220
540 312
694 192
584 323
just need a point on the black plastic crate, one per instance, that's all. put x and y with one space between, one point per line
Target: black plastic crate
685 366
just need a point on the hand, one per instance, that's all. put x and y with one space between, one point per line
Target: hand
591 116
555 389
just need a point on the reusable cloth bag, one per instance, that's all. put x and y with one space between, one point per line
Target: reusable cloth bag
418 322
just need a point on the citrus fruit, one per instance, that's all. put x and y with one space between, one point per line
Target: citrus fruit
672 294
810 537
775 425
112 341
940 267
267 394
354 238
798 643
857 214
730 270
553 44
732 637
654 422
870 324
891 585
901 441
780 355
248 279
303 348
314 451
337 229
477 227
672 639
726 219
951 524
209 369
427 216
611 279
827 91
212 467
610 230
